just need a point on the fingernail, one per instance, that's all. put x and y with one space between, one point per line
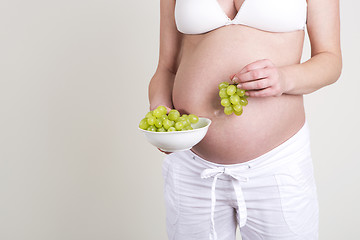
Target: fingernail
235 79
239 85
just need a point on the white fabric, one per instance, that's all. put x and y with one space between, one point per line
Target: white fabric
201 16
272 197
215 173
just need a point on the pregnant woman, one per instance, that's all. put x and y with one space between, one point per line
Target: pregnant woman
255 170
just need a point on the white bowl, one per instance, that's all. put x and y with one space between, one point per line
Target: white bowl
179 140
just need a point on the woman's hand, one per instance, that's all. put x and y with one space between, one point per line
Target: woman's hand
168 110
261 79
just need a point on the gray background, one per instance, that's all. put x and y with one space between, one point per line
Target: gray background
73 87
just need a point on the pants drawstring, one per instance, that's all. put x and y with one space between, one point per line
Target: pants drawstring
236 179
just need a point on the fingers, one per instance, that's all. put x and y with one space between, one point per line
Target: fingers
263 63
167 109
255 85
253 75
256 70
256 79
260 79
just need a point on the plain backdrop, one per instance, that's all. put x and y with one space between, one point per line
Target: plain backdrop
73 88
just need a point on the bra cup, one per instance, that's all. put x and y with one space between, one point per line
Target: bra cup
198 16
276 15
201 16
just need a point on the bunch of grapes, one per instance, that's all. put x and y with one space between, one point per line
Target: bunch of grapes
159 121
233 99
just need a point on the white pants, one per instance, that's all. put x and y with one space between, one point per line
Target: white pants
272 197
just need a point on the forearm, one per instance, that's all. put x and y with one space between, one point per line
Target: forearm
160 88
319 71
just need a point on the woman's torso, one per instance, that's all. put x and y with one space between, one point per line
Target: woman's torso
208 59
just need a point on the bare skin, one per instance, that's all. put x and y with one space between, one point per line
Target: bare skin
266 64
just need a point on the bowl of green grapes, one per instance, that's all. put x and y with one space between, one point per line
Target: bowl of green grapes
172 132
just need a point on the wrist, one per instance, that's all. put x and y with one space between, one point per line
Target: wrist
284 76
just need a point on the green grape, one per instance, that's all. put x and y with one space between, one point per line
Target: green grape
151 128
171 129
223 85
238 113
228 110
149 114
231 89
179 126
240 92
243 101
237 108
167 124
162 129
186 123
157 113
143 124
151 120
235 99
162 109
222 93
187 128
174 115
180 119
158 123
163 117
225 102
193 118
172 123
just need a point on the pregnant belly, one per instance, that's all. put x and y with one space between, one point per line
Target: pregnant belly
265 122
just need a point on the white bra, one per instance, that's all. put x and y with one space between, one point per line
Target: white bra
201 16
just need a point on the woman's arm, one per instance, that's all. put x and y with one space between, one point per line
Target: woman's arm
263 79
324 66
161 84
